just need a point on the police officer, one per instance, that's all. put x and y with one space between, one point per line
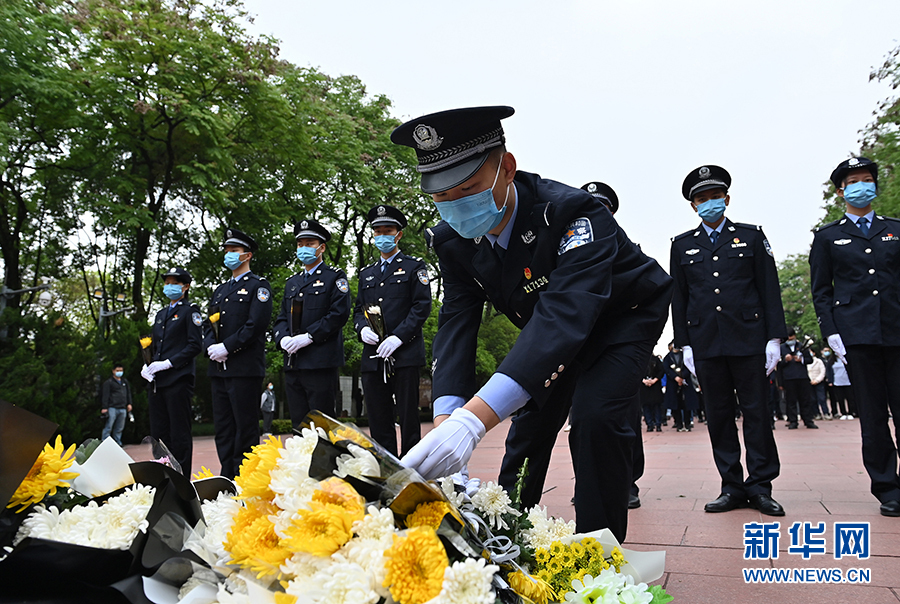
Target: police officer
590 305
236 346
309 327
855 274
795 381
726 292
177 337
398 284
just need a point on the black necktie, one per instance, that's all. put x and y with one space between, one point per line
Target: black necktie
383 266
714 236
863 224
306 276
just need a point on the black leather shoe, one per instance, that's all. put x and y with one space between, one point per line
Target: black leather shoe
659 428
766 505
812 426
792 426
725 503
890 508
634 502
649 428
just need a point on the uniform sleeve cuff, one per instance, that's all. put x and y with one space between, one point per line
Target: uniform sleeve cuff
503 395
445 405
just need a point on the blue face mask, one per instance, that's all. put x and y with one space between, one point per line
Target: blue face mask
385 243
172 291
474 215
710 211
306 255
232 260
860 194
118 374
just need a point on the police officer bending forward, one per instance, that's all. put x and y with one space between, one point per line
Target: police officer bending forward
590 305
398 284
315 306
236 346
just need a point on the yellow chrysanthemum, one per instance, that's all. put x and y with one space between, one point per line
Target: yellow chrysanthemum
580 574
541 556
203 473
556 547
214 318
342 496
578 550
592 546
531 587
429 513
252 541
618 559
46 475
415 566
253 480
544 575
566 558
283 598
343 433
320 531
146 341
554 566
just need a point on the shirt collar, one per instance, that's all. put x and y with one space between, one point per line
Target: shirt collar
313 269
870 217
506 233
237 277
390 259
709 229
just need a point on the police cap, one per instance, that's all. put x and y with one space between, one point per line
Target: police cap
386 215
180 274
312 229
705 178
236 237
604 193
854 163
452 145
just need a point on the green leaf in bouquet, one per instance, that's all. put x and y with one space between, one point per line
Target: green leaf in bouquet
87 448
659 595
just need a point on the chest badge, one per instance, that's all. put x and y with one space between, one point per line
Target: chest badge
890 237
175 317
842 241
318 283
737 243
399 271
370 277
527 273
528 237
692 252
242 291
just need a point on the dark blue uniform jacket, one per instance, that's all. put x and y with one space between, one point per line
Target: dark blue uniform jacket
245 309
177 336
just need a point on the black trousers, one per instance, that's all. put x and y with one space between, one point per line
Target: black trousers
235 407
721 377
170 419
605 411
840 400
402 387
874 372
798 401
637 452
310 389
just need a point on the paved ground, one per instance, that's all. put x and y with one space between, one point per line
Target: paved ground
822 480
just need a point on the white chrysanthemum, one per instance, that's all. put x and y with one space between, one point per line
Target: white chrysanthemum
342 582
544 530
290 480
493 501
468 582
448 487
609 586
376 524
219 515
226 597
302 566
358 463
114 525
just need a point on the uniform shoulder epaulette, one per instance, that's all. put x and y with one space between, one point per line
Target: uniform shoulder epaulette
438 234
891 218
746 225
830 224
683 235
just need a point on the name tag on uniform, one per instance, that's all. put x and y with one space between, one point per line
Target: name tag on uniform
318 283
842 241
399 271
243 291
890 237
536 284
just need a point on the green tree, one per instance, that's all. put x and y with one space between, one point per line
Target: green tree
796 296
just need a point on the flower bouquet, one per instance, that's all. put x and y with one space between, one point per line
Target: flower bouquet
375 321
146 352
214 316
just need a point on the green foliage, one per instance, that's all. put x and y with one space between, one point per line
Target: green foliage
659 595
796 296
496 337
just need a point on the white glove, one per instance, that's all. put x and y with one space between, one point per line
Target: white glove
304 339
387 348
368 336
447 448
773 354
689 359
217 353
146 373
837 345
157 366
290 344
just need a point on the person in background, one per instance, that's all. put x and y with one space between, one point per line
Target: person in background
795 381
177 338
652 395
816 371
115 400
841 393
267 406
680 397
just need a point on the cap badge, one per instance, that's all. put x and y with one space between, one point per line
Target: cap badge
853 161
172 270
228 233
426 138
304 225
592 188
381 211
704 172
527 273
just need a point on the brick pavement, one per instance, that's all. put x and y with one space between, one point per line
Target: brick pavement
822 479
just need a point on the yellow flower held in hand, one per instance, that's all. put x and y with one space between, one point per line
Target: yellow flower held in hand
253 479
145 342
428 514
214 318
415 566
46 475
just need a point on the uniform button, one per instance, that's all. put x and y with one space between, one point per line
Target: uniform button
554 375
547 384
691 262
689 322
561 368
837 302
381 299
875 292
740 255
381 284
715 258
301 295
226 299
868 250
756 315
871 271
717 290
719 308
715 274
